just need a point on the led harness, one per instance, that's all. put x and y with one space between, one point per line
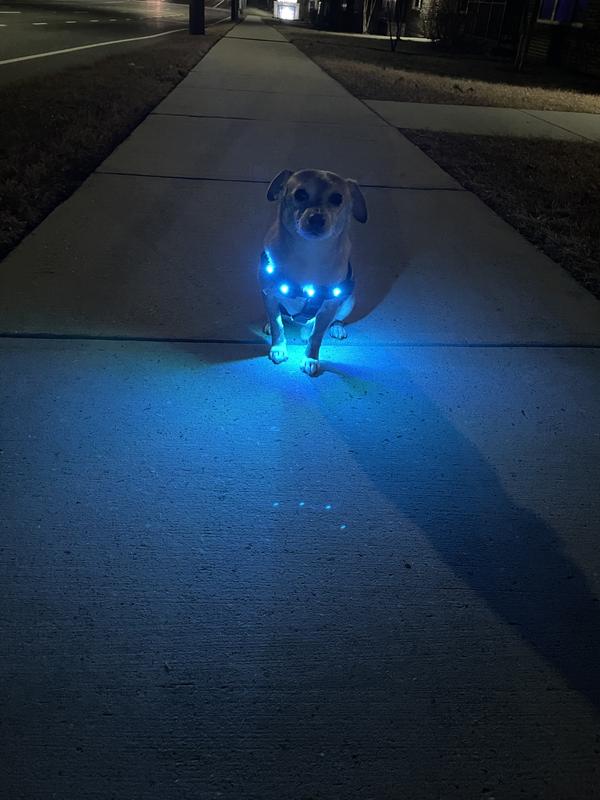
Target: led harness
314 295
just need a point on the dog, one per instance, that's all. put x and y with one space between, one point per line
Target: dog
304 272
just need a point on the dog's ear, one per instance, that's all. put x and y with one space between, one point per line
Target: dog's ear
278 183
359 206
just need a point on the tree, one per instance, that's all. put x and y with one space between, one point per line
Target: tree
368 9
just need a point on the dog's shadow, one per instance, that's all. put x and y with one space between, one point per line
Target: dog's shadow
435 476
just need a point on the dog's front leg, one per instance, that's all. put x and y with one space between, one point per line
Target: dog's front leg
278 351
325 316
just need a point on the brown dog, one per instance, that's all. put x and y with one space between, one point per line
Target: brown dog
305 273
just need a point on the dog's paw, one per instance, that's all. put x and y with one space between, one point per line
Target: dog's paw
310 366
278 353
337 330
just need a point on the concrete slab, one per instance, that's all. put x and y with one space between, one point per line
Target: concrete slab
470 119
159 257
246 63
585 125
253 27
177 625
256 150
282 107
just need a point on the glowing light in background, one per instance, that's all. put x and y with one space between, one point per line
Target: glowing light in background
286 9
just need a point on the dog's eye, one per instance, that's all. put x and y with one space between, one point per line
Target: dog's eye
335 199
301 195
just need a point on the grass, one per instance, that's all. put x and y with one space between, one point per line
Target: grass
418 73
53 134
547 190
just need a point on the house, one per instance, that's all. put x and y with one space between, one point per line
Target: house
563 32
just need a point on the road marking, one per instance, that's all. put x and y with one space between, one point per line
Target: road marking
88 46
39 23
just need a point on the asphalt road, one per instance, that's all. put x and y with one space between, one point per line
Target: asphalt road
31 30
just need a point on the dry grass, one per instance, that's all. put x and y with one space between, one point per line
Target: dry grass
53 134
418 73
545 189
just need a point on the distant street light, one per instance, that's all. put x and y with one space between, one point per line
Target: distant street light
197 16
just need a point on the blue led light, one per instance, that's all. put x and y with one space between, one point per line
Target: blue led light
270 266
309 290
337 291
328 506
284 288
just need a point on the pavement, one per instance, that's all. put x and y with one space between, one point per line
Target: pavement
573 126
42 37
224 579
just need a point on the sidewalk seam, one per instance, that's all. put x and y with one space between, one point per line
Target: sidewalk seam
82 337
266 181
556 125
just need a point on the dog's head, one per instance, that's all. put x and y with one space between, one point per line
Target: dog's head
315 204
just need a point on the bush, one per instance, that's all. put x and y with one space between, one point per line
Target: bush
444 23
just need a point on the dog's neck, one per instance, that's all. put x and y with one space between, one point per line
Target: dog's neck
322 261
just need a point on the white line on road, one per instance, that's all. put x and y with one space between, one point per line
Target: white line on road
88 46
39 23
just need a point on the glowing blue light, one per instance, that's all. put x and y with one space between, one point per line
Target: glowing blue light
309 290
337 291
275 504
284 288
328 506
343 527
270 266
301 503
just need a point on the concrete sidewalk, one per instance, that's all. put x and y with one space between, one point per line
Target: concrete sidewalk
223 579
563 125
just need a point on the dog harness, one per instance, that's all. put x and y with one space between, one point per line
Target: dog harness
313 295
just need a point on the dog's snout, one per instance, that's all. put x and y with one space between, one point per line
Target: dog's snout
316 221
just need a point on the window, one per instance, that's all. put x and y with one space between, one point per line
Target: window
564 11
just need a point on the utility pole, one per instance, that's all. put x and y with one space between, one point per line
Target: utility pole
197 16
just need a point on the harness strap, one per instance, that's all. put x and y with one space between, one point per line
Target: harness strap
315 295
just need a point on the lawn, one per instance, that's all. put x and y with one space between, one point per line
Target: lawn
418 73
53 134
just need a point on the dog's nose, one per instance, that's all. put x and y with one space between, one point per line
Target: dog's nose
316 221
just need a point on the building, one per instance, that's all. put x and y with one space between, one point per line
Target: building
565 32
